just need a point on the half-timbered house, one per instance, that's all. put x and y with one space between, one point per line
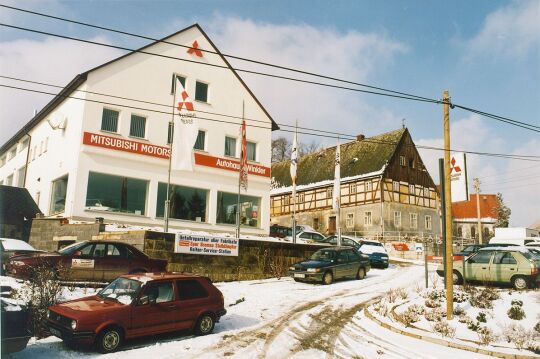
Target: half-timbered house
386 191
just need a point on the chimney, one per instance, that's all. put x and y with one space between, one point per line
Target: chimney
360 137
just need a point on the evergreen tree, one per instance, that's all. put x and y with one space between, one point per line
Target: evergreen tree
502 213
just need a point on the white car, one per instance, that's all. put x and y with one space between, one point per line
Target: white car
10 247
305 234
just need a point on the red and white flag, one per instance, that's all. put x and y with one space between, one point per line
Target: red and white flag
185 130
243 158
336 193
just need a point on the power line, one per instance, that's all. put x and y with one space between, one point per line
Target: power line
213 52
343 136
404 94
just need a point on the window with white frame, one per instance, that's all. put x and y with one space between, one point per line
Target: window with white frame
3 160
301 198
137 127
411 189
329 192
395 186
252 151
426 192
12 153
24 144
367 218
414 220
428 222
109 120
402 160
369 186
352 188
201 141
397 219
201 91
349 222
230 146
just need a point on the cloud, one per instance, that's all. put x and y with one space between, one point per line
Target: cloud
515 179
512 31
50 60
350 55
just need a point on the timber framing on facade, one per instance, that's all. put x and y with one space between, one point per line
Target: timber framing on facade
386 190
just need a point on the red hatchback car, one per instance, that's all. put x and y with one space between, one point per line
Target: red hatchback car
97 261
138 305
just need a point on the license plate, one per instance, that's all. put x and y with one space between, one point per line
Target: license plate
55 332
299 275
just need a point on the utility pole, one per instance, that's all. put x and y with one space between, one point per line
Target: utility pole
448 209
477 189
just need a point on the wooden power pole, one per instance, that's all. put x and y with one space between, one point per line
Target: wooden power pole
449 283
477 189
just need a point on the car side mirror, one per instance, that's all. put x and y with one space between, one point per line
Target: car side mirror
147 299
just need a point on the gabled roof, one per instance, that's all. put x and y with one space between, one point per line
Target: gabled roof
81 78
16 204
357 158
467 209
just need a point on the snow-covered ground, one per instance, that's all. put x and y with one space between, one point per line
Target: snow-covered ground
283 319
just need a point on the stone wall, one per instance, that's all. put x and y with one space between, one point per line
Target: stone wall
49 234
256 259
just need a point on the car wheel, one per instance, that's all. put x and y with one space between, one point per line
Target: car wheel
457 278
328 278
361 274
109 340
519 283
296 279
205 325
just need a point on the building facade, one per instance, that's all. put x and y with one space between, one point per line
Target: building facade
100 148
386 191
465 217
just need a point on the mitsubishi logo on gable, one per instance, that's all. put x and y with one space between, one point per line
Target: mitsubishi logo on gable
453 167
194 49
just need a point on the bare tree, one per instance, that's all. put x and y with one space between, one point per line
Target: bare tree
307 148
281 149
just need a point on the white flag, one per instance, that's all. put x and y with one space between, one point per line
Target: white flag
336 193
185 131
294 162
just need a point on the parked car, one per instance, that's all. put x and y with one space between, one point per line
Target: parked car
138 305
470 249
522 241
329 264
15 334
88 261
279 231
378 257
505 265
306 233
10 247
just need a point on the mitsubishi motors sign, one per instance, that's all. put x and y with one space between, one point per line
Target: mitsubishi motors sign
458 177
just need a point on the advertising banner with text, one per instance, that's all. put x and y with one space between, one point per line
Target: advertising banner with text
207 245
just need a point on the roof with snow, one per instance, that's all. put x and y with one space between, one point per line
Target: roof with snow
364 158
467 209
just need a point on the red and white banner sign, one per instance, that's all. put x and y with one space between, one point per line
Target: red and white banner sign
120 144
142 148
208 245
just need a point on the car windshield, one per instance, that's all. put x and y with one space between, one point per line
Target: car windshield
323 255
122 290
469 249
71 248
533 254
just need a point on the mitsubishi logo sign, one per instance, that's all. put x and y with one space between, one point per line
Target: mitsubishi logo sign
458 177
453 166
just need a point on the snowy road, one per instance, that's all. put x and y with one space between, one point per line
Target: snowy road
277 319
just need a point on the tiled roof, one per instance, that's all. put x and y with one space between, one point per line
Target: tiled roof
357 158
467 209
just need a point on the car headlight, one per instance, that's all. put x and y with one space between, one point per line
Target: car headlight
17 263
291 268
314 270
48 313
73 324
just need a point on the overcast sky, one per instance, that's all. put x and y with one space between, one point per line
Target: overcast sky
486 53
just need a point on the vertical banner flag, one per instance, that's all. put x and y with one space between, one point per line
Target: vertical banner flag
185 130
458 177
294 163
243 158
336 193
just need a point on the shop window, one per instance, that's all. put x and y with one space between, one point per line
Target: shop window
230 146
252 151
187 203
137 127
201 91
58 198
116 194
200 142
397 219
249 209
109 120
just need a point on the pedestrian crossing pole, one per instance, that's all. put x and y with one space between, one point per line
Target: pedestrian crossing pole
449 283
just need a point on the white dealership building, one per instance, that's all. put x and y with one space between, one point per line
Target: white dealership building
93 151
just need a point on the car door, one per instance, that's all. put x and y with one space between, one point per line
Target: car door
99 258
477 266
192 299
317 237
354 262
80 265
156 309
504 266
116 261
342 264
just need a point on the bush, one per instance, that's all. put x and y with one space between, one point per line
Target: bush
490 293
481 317
472 325
458 311
519 336
408 317
434 315
516 302
402 293
417 308
485 335
537 327
516 312
381 307
460 297
464 318
439 295
444 329
391 295
478 300
431 303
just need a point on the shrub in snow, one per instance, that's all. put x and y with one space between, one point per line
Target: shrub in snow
516 302
402 293
439 295
490 293
519 336
391 295
516 312
381 307
458 310
537 327
472 325
467 288
464 318
431 303
444 329
460 297
417 308
434 315
481 317
479 300
408 317
486 335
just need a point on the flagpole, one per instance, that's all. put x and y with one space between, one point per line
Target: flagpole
294 197
338 194
239 182
171 131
